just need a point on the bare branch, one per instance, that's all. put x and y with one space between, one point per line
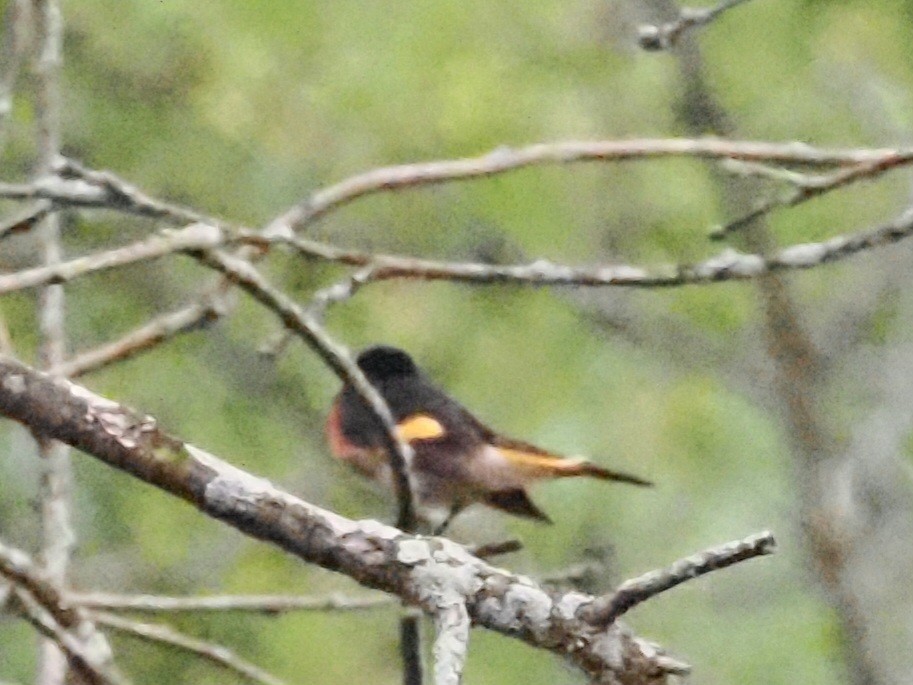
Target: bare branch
210 651
806 188
609 608
334 293
194 237
506 159
340 291
66 183
18 568
729 265
78 655
265 604
124 196
150 334
663 37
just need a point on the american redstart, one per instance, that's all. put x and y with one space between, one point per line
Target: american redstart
457 460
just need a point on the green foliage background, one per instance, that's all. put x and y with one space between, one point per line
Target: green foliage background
240 108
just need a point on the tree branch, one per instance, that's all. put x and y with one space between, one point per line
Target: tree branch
165 635
195 236
425 572
505 159
154 332
609 608
264 604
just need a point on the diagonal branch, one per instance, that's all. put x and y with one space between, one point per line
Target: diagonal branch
42 605
806 188
165 635
159 329
195 236
609 608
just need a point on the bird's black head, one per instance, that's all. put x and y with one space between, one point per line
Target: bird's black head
382 361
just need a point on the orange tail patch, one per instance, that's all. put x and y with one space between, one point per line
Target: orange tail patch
544 465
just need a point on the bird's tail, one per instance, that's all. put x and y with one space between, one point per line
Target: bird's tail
539 464
588 468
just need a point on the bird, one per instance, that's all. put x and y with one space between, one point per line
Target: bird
457 460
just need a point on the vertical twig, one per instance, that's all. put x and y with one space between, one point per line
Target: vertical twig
410 649
56 475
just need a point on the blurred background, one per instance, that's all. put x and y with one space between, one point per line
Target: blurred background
240 108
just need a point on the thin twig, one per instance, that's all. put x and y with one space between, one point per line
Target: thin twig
652 37
806 188
505 159
81 657
211 651
18 568
265 604
157 330
66 183
334 293
123 195
729 265
42 604
340 291
194 237
629 594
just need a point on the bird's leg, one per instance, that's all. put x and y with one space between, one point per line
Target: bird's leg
454 510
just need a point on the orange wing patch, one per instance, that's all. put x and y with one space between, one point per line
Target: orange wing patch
419 427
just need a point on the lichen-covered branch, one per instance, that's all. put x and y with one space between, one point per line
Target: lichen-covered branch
629 594
424 572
